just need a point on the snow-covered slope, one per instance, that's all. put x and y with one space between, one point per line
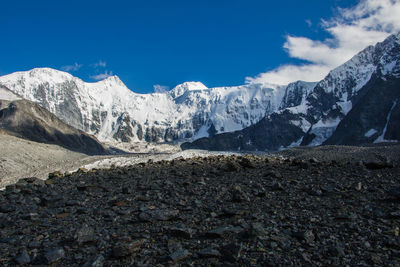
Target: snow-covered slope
6 94
112 112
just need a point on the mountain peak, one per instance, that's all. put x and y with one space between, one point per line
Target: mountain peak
48 72
114 79
187 86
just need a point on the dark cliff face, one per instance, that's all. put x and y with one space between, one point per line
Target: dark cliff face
270 133
375 114
30 121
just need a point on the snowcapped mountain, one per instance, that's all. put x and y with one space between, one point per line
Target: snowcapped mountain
251 116
355 103
112 112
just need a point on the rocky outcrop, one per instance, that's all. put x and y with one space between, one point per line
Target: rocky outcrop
30 121
375 116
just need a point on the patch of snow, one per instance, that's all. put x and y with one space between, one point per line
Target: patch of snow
345 106
323 129
203 132
381 138
370 133
388 68
122 161
296 143
8 95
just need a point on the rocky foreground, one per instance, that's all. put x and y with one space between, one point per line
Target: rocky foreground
218 211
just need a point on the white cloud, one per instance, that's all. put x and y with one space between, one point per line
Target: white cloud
73 67
160 88
102 76
367 23
100 63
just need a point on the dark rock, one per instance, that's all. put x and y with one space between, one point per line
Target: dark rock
395 214
256 230
56 174
85 234
238 195
246 163
232 166
314 191
121 250
394 192
54 254
307 236
181 232
23 258
209 253
158 215
179 255
6 208
231 252
222 231
231 212
277 187
274 174
336 250
96 261
376 165
30 216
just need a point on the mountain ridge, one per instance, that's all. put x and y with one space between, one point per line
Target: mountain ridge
110 111
317 116
192 111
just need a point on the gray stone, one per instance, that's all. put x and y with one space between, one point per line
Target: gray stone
179 254
54 254
96 261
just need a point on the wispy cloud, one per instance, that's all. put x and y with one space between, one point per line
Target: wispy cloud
353 29
102 76
73 67
160 88
100 63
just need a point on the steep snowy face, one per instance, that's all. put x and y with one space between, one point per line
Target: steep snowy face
109 110
6 94
333 97
226 109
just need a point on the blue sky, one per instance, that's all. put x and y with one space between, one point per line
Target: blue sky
147 43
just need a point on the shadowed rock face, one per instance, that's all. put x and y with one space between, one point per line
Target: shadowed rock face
269 134
377 107
30 121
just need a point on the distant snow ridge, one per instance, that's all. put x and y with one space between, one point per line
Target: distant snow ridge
112 112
